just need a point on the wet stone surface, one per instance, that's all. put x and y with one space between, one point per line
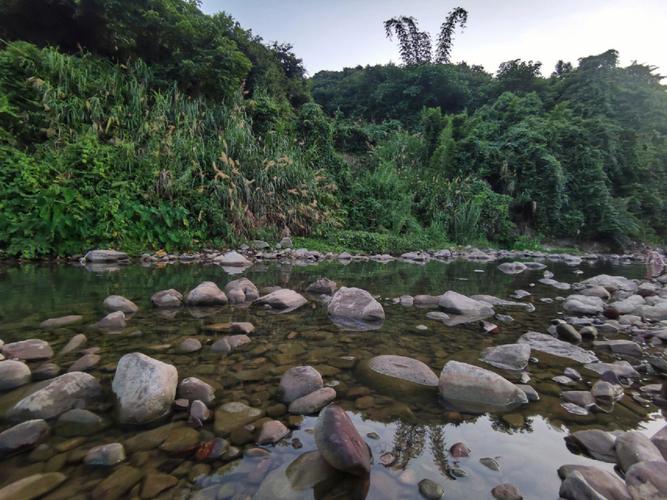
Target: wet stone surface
241 439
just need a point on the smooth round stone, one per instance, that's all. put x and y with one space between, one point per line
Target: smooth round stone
33 486
61 321
459 450
192 388
119 303
272 432
430 489
298 382
313 402
28 350
155 483
121 481
23 436
506 491
45 371
167 298
106 455
232 415
74 344
206 294
568 333
79 422
490 463
84 363
13 374
189 345
398 376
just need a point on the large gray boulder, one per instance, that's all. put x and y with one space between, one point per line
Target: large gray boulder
550 345
507 356
206 294
596 443
455 303
283 300
299 381
13 374
354 306
71 390
241 290
611 283
470 388
647 480
583 304
323 286
232 259
634 447
144 387
339 442
607 485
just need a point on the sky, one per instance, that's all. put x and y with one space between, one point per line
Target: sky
333 34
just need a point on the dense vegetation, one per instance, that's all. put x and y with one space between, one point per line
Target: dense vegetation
147 124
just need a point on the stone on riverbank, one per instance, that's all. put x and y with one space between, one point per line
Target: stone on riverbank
339 442
167 298
241 291
232 259
145 388
355 308
71 390
550 345
470 388
34 486
283 300
456 303
23 436
205 294
322 286
192 388
13 374
312 402
398 375
103 256
115 303
28 350
507 356
112 321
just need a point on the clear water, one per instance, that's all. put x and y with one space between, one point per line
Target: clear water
528 444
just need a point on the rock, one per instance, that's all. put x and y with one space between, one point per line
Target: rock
595 443
230 343
13 374
633 447
23 436
550 345
112 321
596 291
116 485
583 305
84 363
339 442
241 290
192 388
426 300
71 390
507 304
232 259
623 347
657 312
506 491
455 303
490 463
28 350
206 294
34 486
232 415
512 267
398 375
469 387
572 373
105 455
323 286
530 392
575 487
604 483
628 305
520 294
97 256
189 345
155 483
74 344
119 303
611 283
459 450
507 356
312 402
563 380
556 284
167 298
620 368
299 381
272 432
199 413
61 321
45 371
283 300
568 333
647 480
355 308
286 242
181 441
79 422
659 439
437 316
605 392
588 332
430 489
145 388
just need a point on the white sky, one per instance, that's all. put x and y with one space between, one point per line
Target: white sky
332 34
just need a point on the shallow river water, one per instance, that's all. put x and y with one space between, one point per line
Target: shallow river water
527 444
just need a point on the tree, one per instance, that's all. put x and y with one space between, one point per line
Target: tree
415 45
457 16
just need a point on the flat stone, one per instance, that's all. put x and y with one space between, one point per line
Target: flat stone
647 480
323 286
232 415
507 356
167 298
84 363
71 390
506 491
23 436
283 300
45 371
155 483
455 303
313 402
181 441
620 368
398 374
116 485
105 455
272 432
34 486
79 422
74 344
339 442
550 345
28 350
97 256
61 321
189 345
623 347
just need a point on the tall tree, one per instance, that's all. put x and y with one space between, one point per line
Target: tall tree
414 45
457 16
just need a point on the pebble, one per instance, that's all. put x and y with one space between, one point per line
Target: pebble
430 489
